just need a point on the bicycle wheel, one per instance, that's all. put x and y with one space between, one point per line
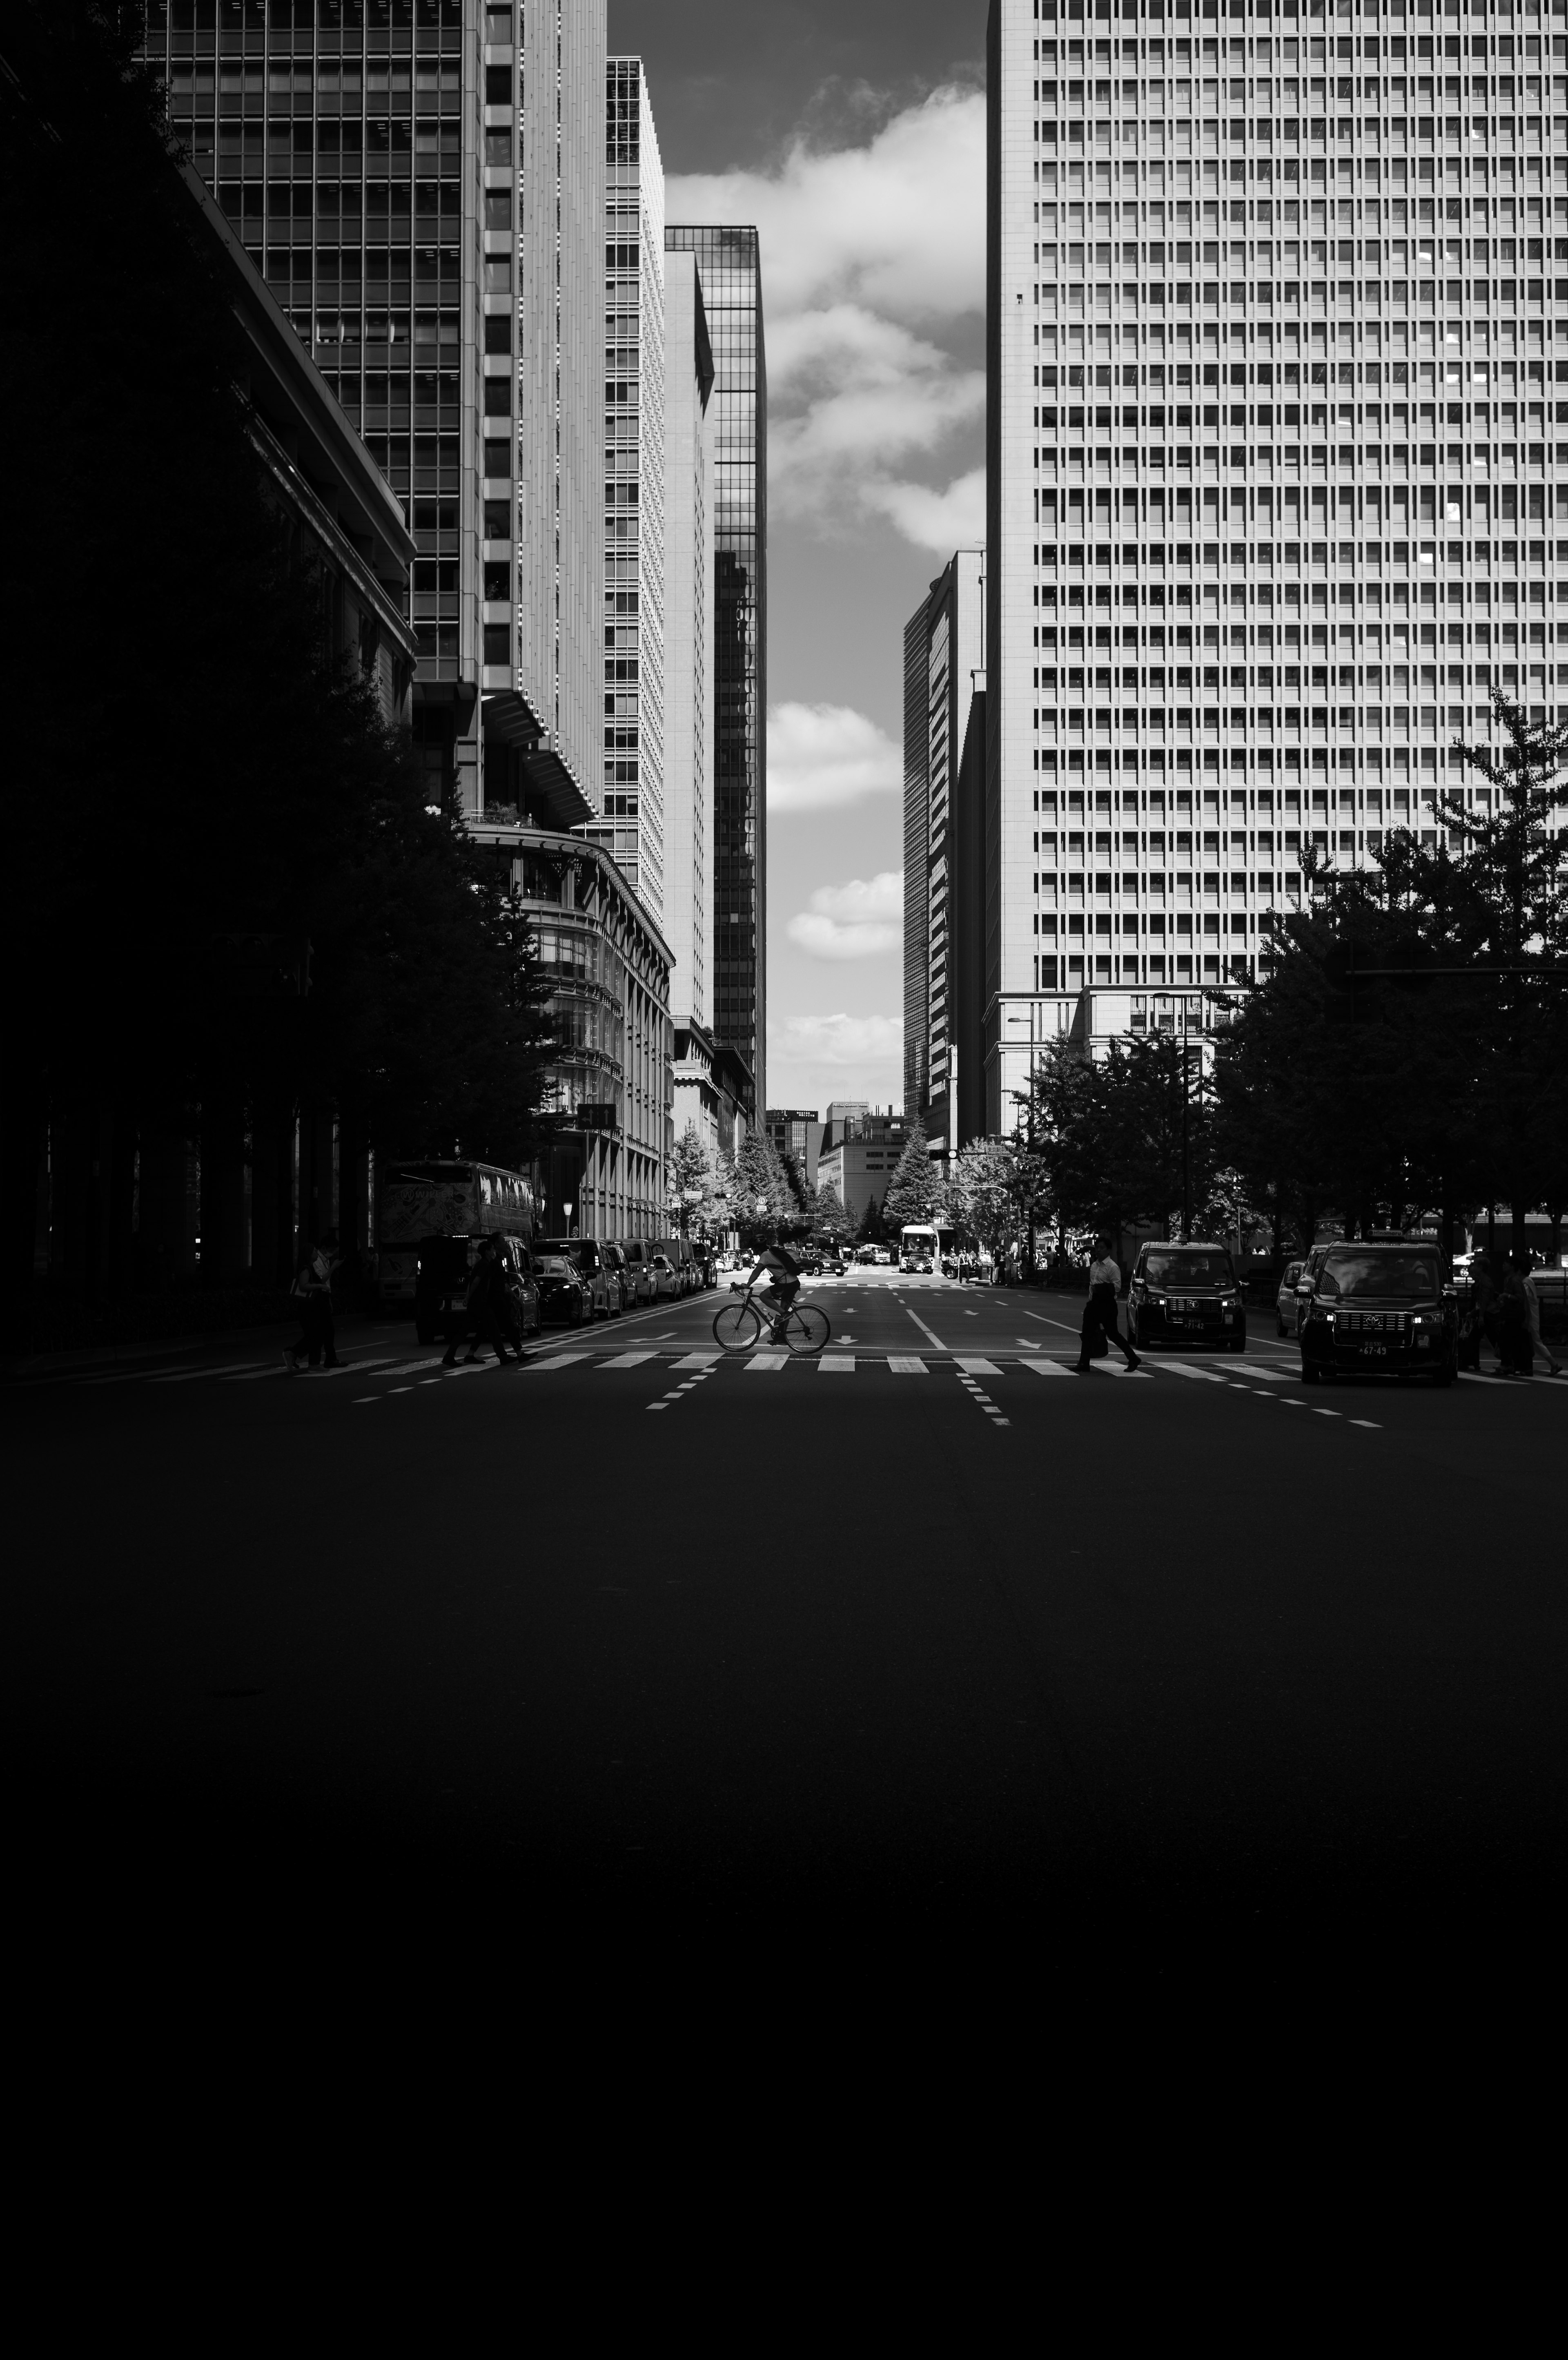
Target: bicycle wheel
737 1326
808 1330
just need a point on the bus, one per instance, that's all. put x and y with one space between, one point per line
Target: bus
445 1197
923 1245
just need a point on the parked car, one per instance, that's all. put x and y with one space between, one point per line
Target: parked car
1188 1296
587 1255
678 1252
562 1290
1285 1303
1377 1310
665 1277
639 1266
866 1253
623 1286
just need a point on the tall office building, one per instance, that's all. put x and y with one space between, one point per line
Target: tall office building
633 826
1270 335
423 188
730 263
943 668
688 637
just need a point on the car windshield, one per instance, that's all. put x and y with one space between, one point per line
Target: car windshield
557 1266
1400 1277
1206 1268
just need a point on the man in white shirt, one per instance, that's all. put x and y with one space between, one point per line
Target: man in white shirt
1100 1311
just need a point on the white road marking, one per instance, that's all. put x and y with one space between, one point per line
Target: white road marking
1027 1345
1045 1368
1370 1421
412 1368
766 1362
905 1364
561 1361
628 1361
1279 1376
1181 1369
930 1335
189 1376
838 1364
980 1368
699 1359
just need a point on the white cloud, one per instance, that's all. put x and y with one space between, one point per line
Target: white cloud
860 920
870 256
820 755
841 1056
942 521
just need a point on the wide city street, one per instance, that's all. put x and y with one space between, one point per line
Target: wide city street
930 1623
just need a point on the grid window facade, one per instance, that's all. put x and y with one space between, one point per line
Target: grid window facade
730 263
1275 345
633 827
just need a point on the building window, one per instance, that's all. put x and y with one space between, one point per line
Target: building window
497 643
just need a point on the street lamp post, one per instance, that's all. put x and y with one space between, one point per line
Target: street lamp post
566 1209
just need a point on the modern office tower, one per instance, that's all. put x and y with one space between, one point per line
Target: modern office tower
1271 342
423 188
633 822
688 637
730 264
943 656
797 1131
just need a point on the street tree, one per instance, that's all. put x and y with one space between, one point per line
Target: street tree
911 1191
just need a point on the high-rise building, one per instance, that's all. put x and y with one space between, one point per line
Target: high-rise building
423 188
688 637
729 261
1270 344
943 656
797 1131
633 824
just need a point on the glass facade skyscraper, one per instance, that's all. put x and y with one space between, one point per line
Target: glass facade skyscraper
730 264
1273 344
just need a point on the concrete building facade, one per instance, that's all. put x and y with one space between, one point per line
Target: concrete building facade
797 1131
632 825
1271 330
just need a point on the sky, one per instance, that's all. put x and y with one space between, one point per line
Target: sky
851 131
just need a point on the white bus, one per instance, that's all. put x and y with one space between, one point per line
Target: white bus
922 1244
443 1199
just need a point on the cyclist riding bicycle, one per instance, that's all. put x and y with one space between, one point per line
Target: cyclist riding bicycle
782 1272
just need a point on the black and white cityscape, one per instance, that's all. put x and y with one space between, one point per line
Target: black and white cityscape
628 1204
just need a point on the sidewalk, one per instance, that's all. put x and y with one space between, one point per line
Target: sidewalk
220 1343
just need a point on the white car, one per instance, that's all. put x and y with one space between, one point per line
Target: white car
665 1277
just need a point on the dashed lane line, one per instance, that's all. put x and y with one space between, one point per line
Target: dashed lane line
928 1333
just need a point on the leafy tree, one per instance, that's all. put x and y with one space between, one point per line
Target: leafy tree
911 1191
873 1229
691 1169
764 1204
984 1193
831 1224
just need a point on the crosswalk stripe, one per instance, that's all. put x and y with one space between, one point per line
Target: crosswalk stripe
766 1362
979 1367
408 1368
1181 1369
699 1360
1275 1376
1045 1368
561 1361
837 1364
628 1361
906 1364
189 1376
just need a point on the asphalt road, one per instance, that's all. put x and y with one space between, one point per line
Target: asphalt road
932 1627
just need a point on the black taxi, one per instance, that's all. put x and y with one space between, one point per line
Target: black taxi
1377 1310
1188 1296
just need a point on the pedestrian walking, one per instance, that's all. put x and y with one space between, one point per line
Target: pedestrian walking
1533 1324
1483 1320
1514 1346
485 1320
1100 1311
314 1293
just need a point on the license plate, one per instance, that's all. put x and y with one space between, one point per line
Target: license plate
1375 1351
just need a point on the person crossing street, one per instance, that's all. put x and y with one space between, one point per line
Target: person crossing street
1100 1311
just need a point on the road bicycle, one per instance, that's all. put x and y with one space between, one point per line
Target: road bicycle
741 1326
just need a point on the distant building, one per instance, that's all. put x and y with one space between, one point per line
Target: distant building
797 1131
859 1155
729 260
713 1089
944 655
